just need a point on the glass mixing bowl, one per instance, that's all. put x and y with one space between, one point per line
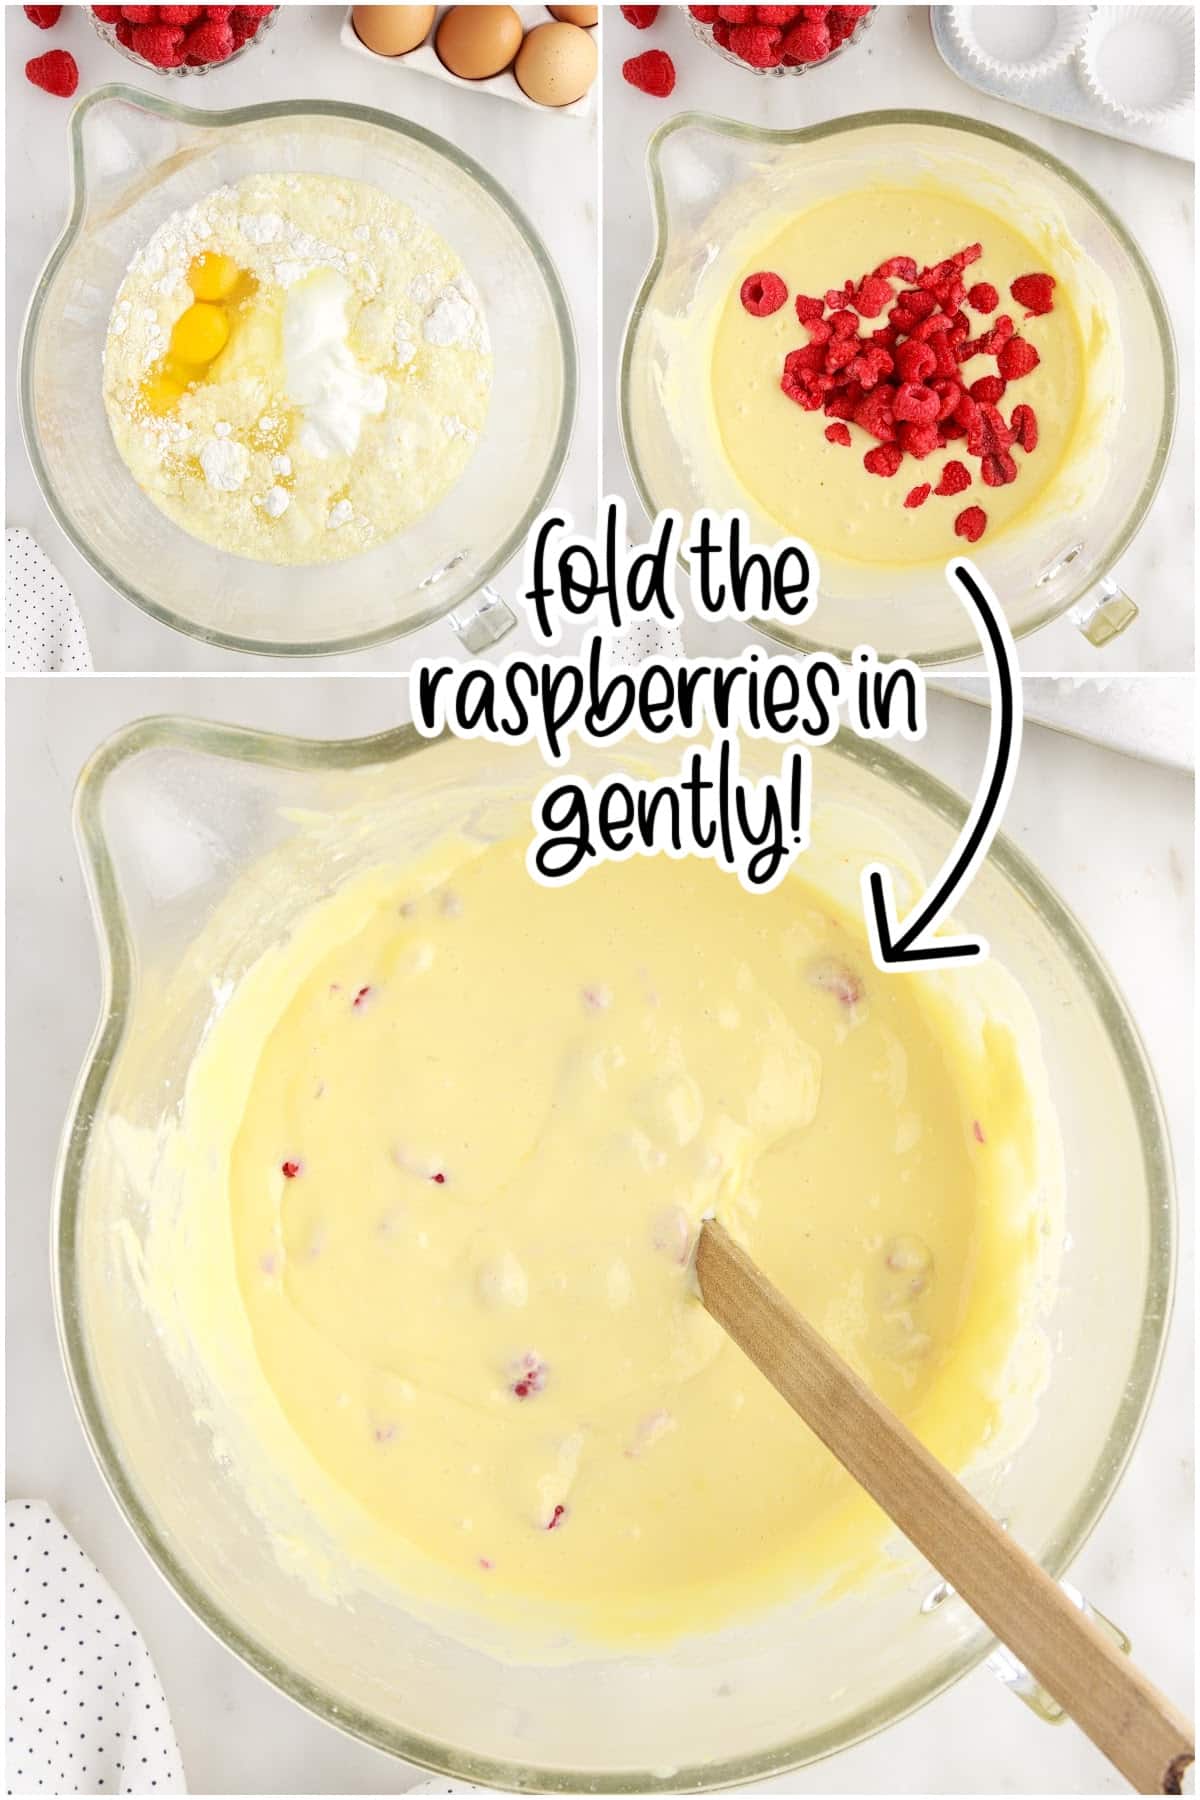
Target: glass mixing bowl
706 177
136 157
175 818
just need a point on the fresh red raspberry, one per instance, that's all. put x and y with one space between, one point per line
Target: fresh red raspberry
843 322
763 294
721 33
807 42
870 366
161 45
917 496
757 45
875 414
919 439
872 296
737 15
819 330
962 259
776 15
652 72
914 361
988 387
1024 427
211 41
999 470
947 389
956 479
705 14
1035 293
108 15
244 22
918 404
43 16
840 352
884 459
838 434
807 308
971 524
853 13
1018 357
56 72
140 15
841 23
808 360
179 15
815 12
125 31
845 402
983 297
640 16
899 268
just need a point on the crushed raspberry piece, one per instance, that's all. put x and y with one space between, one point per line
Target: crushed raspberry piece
1018 357
838 434
1024 427
56 72
757 45
290 1170
983 298
874 413
977 1129
439 1176
872 296
807 42
652 73
884 459
44 17
1035 293
836 979
360 999
898 268
763 294
998 336
161 45
210 41
971 524
998 470
529 1376
917 496
956 478
988 387
556 1517
640 16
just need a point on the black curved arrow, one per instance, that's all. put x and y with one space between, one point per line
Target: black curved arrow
916 945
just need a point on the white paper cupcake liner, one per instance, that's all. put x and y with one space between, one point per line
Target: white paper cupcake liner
1139 61
1020 42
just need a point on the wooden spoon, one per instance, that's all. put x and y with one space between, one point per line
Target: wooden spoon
1135 1726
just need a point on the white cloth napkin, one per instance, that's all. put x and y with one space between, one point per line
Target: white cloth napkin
85 1711
43 629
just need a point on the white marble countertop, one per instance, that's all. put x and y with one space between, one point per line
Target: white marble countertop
898 65
1124 864
547 163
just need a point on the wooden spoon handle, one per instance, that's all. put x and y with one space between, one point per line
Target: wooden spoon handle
1135 1726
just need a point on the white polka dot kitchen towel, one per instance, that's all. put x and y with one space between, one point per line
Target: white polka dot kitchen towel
43 630
85 1711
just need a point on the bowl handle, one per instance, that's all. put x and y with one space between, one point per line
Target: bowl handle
483 620
1105 611
1016 1677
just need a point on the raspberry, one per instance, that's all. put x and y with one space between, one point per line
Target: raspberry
844 322
209 42
915 361
108 15
838 434
179 15
807 42
870 366
1017 358
776 15
737 15
763 294
919 440
652 72
842 21
884 459
705 14
819 330
1024 427
917 496
900 268
640 17
962 259
43 16
289 1170
815 12
841 352
872 296
874 413
140 15
983 297
57 72
807 308
998 471
1034 292
757 45
971 524
956 478
998 336
161 45
988 387
721 32
919 405
947 390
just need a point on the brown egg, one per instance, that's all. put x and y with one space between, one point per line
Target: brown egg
393 30
478 41
575 15
556 64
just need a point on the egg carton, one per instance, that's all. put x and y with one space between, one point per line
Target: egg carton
505 86
1062 92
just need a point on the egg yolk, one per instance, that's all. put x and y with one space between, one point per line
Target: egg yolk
200 333
213 276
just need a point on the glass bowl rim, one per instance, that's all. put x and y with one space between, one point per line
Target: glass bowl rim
299 754
204 117
944 121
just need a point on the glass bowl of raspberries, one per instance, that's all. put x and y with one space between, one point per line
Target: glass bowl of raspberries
182 40
780 40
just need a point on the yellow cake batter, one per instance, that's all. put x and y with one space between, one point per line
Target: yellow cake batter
450 1145
821 491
